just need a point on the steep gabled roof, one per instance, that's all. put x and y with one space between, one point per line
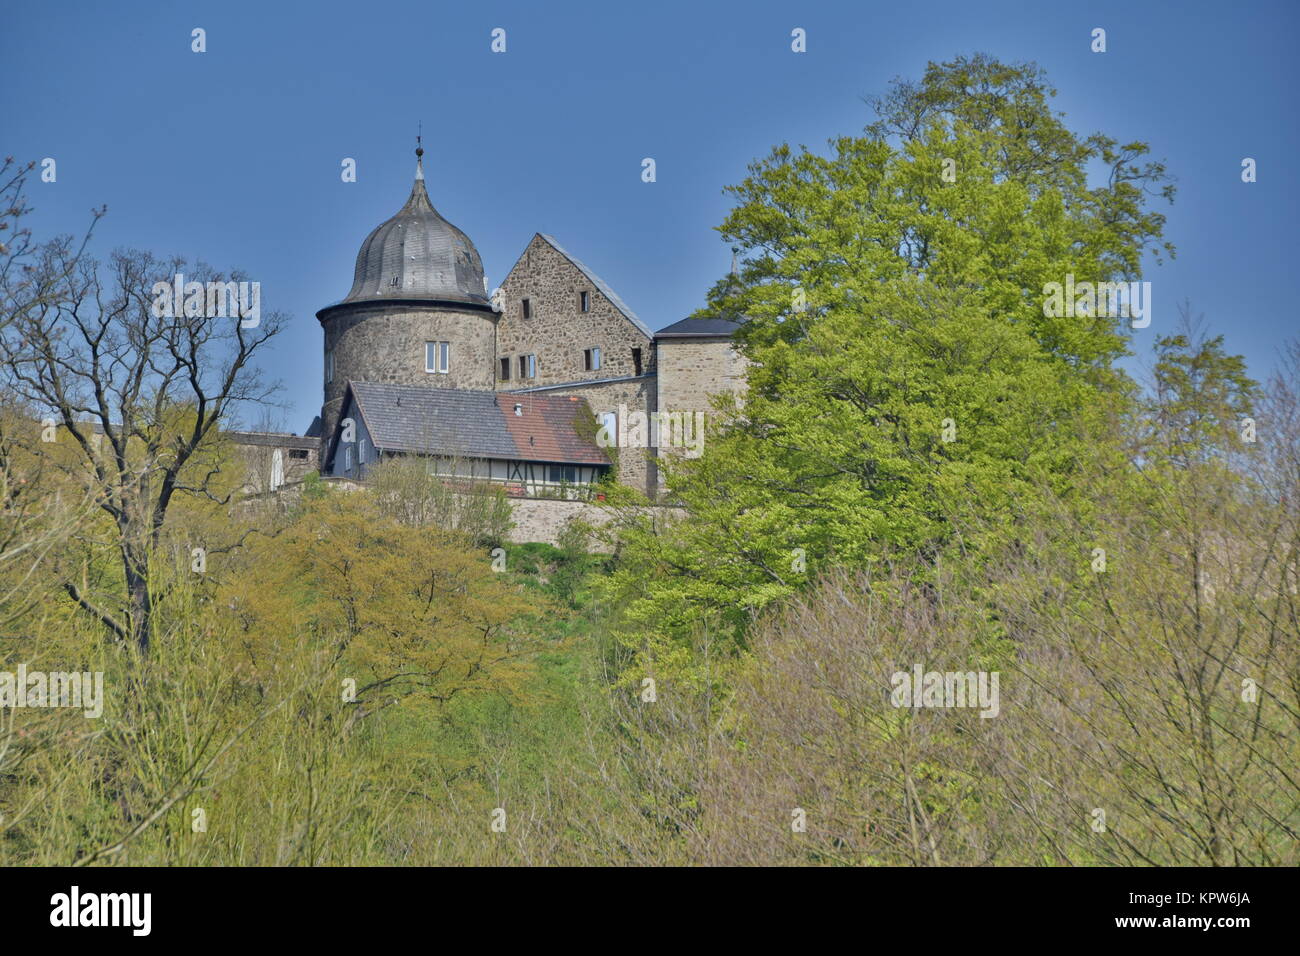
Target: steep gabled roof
474 424
600 284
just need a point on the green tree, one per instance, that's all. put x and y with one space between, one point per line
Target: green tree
409 614
905 374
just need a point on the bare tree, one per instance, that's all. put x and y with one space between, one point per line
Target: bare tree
34 514
137 389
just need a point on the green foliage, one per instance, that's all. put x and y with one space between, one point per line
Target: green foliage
313 486
904 376
405 490
1200 398
351 680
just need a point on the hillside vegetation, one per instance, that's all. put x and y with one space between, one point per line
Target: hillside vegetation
929 472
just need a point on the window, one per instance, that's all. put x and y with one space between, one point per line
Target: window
298 454
361 451
584 301
329 366
636 361
347 460
562 473
437 356
591 359
505 369
528 308
528 366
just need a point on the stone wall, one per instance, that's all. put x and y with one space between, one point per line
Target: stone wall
559 330
384 342
258 451
691 371
544 519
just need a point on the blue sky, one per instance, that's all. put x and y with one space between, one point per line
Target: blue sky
233 156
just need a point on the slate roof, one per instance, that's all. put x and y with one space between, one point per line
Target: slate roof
602 285
475 424
416 255
691 328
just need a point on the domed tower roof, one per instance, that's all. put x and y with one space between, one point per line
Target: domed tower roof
418 255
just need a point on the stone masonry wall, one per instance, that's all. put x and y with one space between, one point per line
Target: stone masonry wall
544 519
692 371
385 343
258 458
559 330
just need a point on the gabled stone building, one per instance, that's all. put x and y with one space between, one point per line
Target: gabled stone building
553 359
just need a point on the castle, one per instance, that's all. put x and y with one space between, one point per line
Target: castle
524 387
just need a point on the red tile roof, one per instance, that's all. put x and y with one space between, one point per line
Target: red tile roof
546 428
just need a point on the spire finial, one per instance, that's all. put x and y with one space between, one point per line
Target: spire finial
419 152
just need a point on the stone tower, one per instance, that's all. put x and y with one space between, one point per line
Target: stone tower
418 312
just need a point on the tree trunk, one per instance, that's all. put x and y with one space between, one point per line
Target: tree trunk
140 607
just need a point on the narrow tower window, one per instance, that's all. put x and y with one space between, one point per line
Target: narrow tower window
528 308
584 301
